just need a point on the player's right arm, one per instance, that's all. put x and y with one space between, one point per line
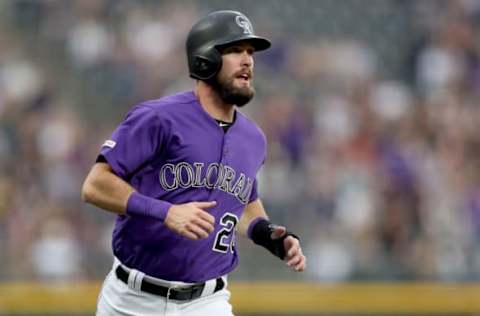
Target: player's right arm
106 190
103 188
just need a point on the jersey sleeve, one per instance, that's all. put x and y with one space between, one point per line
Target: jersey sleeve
135 141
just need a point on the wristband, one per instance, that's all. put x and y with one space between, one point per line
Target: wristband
139 204
260 231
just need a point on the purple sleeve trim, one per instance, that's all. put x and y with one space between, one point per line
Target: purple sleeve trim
139 204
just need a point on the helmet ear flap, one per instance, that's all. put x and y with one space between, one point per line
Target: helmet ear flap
206 64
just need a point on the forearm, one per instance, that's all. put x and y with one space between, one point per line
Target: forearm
252 211
104 189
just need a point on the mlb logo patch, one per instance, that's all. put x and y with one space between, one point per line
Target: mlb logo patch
109 143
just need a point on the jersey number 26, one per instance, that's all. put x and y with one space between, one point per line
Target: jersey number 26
222 244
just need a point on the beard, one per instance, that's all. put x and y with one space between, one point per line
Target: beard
231 94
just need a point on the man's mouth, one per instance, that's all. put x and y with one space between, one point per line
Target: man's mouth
244 76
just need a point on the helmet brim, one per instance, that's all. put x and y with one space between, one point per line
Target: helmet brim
258 43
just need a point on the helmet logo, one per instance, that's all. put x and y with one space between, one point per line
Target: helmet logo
244 23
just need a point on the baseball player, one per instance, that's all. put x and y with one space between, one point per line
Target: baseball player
180 172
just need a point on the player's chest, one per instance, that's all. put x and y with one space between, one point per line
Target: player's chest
203 149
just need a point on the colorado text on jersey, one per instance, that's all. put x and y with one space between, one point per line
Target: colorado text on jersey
217 176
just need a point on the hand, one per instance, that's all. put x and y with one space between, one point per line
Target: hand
294 257
191 220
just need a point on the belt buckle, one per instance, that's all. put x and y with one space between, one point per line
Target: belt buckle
188 293
196 291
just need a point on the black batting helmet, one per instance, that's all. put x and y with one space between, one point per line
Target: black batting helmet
218 29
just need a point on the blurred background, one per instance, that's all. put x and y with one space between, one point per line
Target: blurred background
370 109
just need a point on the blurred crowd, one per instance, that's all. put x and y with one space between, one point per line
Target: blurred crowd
370 114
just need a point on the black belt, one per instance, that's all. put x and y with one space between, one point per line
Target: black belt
189 292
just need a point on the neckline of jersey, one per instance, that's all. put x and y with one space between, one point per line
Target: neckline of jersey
197 105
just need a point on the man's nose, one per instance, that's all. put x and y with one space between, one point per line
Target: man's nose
247 59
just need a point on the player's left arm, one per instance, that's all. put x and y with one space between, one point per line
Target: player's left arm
277 239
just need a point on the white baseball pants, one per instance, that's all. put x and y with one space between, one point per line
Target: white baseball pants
117 298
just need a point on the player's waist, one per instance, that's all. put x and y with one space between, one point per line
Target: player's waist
177 259
176 290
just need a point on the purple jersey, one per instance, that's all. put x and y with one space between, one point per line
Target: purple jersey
172 150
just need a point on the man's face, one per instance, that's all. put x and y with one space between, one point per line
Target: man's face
234 81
